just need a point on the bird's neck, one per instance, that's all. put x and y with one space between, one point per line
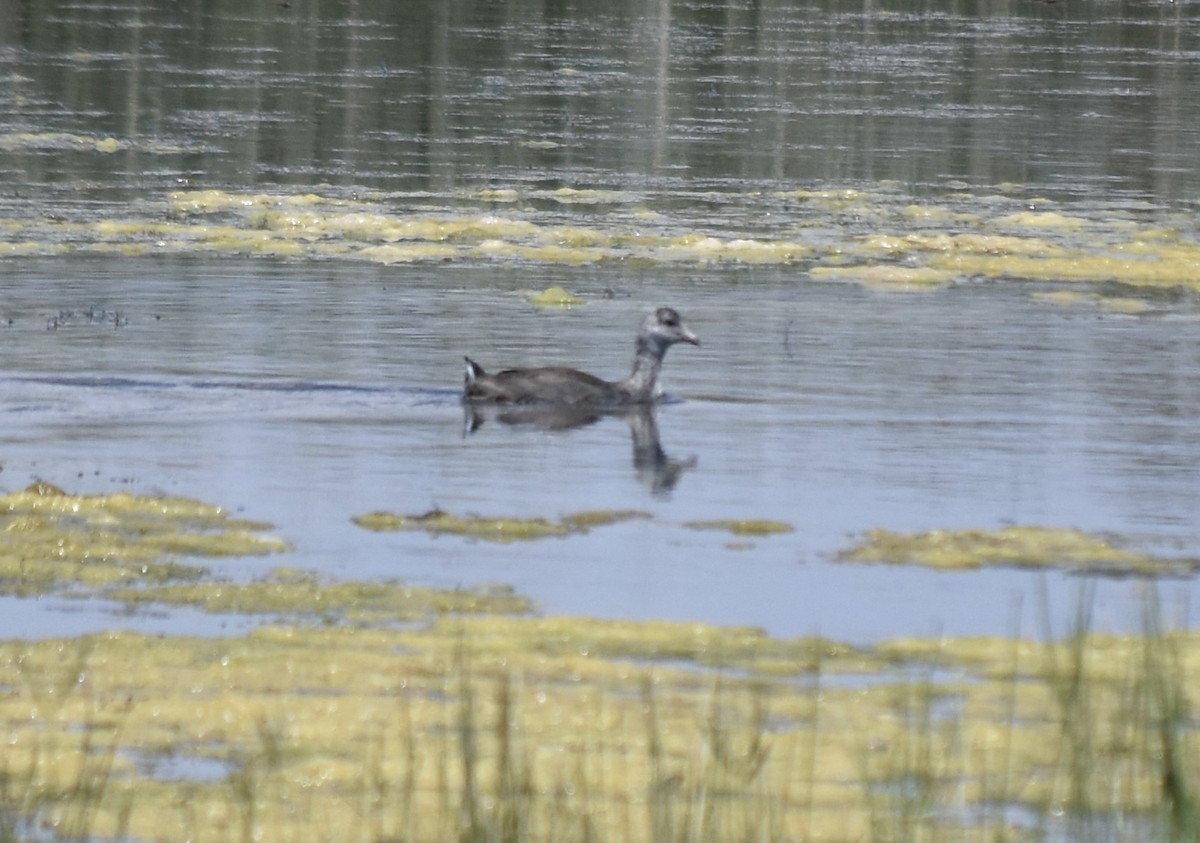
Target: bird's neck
641 383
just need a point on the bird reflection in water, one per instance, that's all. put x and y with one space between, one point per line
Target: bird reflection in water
657 470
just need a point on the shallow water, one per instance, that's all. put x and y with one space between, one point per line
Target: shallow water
944 265
828 406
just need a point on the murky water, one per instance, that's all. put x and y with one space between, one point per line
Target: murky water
943 265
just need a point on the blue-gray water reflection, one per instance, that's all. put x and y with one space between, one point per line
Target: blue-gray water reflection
1070 99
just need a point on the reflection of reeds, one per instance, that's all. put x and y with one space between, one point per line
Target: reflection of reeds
1081 737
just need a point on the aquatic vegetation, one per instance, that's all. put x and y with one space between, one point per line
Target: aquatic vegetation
1163 270
887 276
1017 546
711 249
507 529
890 242
1041 219
56 541
554 297
577 729
407 253
12 141
705 645
502 194
439 522
591 196
300 595
1109 304
408 711
1065 298
602 517
743 526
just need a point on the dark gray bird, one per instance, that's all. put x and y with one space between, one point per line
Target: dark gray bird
560 386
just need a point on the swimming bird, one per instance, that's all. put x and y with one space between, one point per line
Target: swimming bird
560 386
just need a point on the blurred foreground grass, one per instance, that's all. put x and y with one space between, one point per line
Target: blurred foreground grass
380 711
522 728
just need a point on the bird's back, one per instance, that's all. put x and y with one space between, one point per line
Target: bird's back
544 385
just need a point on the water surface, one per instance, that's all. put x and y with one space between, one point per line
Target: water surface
828 406
943 263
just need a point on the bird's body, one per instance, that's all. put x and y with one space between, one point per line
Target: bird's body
561 386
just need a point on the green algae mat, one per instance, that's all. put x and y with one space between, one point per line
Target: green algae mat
1015 546
54 540
906 243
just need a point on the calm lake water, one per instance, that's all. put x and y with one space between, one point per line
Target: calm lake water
943 261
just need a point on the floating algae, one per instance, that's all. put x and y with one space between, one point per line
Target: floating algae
743 526
889 241
1041 219
1042 246
742 648
55 540
553 297
11 141
602 517
1014 546
1109 304
887 276
440 522
708 249
298 594
496 194
587 196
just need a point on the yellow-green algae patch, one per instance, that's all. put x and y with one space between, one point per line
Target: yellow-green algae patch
1034 245
554 297
540 729
889 242
54 540
741 648
887 276
507 529
588 196
303 594
1017 546
58 140
497 194
743 526
711 249
1042 219
1110 304
1063 298
407 253
1123 304
602 517
1159 271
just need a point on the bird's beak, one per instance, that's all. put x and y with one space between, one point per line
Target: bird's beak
688 336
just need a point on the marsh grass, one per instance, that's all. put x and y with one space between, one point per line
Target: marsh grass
1167 706
1083 737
